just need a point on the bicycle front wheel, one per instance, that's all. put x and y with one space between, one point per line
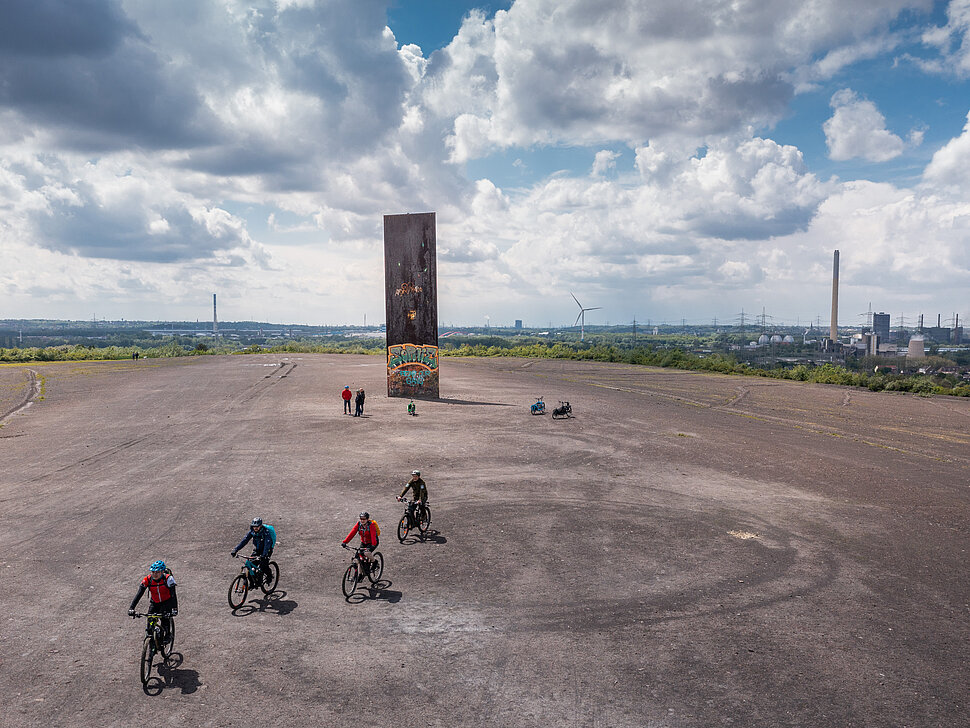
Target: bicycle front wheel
168 646
403 527
376 567
424 519
349 584
238 591
147 654
272 578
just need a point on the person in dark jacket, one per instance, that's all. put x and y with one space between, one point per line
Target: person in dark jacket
359 403
262 545
160 585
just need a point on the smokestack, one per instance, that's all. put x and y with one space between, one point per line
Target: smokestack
834 328
215 319
939 320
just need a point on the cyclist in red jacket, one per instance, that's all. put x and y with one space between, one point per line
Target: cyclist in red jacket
160 585
369 535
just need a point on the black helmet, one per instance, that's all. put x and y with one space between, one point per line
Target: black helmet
364 515
257 522
415 472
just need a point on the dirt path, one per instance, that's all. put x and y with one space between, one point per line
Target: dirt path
688 550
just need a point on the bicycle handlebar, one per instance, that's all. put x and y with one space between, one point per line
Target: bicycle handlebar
159 614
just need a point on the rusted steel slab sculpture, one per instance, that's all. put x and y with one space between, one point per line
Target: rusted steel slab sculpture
411 296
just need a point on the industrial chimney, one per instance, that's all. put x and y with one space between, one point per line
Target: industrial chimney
215 319
834 328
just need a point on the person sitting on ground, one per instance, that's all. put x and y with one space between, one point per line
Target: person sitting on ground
369 533
420 489
263 542
160 585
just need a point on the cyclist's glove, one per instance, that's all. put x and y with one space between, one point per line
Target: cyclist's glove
175 612
233 553
131 612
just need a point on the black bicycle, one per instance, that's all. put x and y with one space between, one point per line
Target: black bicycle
359 566
563 411
250 577
156 642
416 515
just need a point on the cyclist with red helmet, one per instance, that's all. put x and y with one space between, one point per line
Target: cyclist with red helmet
160 585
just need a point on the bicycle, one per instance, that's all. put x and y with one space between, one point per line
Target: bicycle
539 408
249 578
154 644
360 566
416 514
563 411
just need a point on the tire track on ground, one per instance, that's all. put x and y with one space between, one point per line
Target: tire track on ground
33 391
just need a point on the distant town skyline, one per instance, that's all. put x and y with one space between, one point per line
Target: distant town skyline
661 161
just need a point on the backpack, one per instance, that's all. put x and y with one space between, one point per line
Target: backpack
376 528
272 535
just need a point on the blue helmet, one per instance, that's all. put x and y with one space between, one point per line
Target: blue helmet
157 566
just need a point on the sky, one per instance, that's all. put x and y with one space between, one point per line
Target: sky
663 160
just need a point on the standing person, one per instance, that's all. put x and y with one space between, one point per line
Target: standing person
346 394
359 403
264 539
361 400
160 585
420 489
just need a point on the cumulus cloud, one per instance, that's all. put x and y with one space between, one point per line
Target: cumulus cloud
857 129
951 40
143 147
950 166
604 161
567 71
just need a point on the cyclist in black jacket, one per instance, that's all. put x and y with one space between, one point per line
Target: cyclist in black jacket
262 544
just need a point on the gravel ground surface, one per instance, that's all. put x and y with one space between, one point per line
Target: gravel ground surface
687 550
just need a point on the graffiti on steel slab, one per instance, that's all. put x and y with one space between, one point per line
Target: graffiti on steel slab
424 356
406 288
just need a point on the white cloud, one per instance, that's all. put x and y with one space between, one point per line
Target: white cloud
857 129
604 161
158 150
950 166
571 72
952 40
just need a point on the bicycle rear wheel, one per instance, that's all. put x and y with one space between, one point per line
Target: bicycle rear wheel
238 591
271 579
147 654
403 527
349 584
424 519
376 567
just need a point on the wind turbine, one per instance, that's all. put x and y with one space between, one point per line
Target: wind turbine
581 319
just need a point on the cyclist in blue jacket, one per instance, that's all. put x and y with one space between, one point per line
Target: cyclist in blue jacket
262 545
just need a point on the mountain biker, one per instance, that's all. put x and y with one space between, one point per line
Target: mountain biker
420 489
369 533
263 541
161 591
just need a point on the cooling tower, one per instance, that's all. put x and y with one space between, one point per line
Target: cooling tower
917 348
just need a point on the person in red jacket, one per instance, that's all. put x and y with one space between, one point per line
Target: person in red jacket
160 585
346 394
369 535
